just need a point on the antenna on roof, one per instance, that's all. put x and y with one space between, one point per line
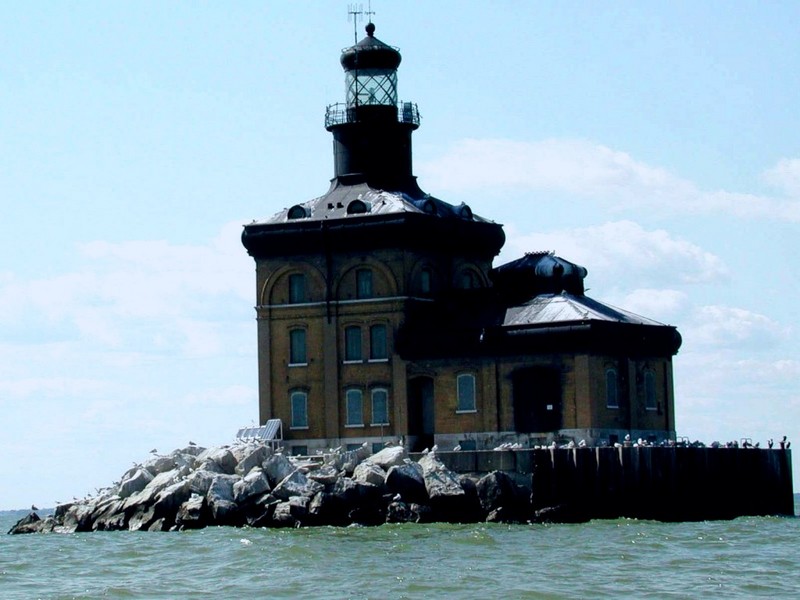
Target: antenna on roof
355 13
369 12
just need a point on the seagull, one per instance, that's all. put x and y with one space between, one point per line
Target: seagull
153 451
425 451
191 443
434 448
34 507
582 444
770 443
457 448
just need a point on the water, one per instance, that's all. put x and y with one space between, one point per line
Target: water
746 557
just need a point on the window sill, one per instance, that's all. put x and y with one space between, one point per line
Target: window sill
378 360
466 412
653 409
353 426
379 424
352 362
612 407
292 365
298 428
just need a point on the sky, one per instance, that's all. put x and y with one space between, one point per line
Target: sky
657 144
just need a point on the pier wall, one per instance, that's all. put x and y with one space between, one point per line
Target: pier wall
668 484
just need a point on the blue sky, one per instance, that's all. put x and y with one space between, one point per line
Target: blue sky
655 143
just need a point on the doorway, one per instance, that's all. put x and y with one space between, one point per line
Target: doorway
537 399
420 413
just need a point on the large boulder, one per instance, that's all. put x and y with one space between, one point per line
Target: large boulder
224 510
258 511
282 516
277 467
448 499
109 515
170 499
219 460
255 483
200 481
30 523
192 514
367 472
407 481
296 484
135 482
159 464
501 497
387 458
327 475
254 457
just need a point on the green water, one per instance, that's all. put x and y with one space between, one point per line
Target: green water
746 557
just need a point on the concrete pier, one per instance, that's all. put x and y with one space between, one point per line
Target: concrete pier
667 484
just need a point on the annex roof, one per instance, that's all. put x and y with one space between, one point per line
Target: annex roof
547 309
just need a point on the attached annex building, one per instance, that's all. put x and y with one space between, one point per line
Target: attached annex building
380 316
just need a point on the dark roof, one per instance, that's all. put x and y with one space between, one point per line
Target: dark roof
370 53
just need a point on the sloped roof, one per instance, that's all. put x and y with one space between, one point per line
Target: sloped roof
334 205
547 309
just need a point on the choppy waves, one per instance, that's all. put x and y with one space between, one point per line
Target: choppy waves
747 557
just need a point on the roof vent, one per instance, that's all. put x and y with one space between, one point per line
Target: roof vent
297 212
465 212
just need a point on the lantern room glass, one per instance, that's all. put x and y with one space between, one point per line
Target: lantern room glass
371 87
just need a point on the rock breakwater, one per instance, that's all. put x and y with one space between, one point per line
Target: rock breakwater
247 484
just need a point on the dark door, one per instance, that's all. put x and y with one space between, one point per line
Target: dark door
420 413
537 399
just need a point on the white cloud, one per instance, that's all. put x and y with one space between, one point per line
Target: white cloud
138 294
600 173
729 326
785 175
625 251
656 303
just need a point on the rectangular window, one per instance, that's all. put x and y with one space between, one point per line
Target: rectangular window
297 347
612 397
299 410
352 343
650 402
466 393
363 283
377 343
297 288
380 407
355 409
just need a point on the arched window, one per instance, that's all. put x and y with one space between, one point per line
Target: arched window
357 207
650 400
363 283
425 281
299 401
297 347
612 393
297 212
466 392
352 343
378 348
468 280
380 406
297 288
354 407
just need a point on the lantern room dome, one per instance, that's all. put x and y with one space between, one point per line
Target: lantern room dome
370 53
